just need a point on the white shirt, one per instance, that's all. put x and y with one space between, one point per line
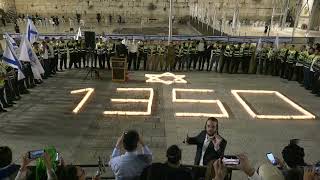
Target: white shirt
130 164
204 148
133 48
201 46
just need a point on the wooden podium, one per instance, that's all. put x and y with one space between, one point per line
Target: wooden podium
119 69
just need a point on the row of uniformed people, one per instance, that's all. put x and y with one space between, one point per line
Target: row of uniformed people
11 88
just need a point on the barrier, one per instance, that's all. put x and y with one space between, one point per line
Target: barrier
193 169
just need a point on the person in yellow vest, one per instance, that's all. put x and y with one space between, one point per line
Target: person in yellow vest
101 55
315 73
291 60
306 69
298 71
2 79
281 60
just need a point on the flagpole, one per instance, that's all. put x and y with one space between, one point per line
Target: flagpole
170 23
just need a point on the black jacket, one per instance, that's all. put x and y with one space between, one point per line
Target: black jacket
159 171
211 153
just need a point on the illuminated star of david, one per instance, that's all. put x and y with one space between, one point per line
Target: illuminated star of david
156 78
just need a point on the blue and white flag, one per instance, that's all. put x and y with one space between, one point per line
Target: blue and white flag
32 32
28 55
11 41
10 58
78 34
259 46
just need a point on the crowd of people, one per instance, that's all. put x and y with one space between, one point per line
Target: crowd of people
287 61
134 165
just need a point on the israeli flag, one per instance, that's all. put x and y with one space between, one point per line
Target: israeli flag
32 32
78 34
10 58
28 55
259 46
11 41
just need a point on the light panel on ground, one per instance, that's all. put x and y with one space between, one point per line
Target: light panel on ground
224 113
133 113
85 98
306 114
156 78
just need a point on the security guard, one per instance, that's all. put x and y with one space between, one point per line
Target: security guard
291 60
3 73
193 55
179 56
186 55
270 63
302 55
101 54
315 72
247 55
237 57
71 48
146 49
63 54
261 59
227 56
281 60
140 54
316 85
306 69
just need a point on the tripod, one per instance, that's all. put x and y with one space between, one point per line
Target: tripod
92 69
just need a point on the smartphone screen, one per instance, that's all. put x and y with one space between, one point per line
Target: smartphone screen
36 154
271 158
230 160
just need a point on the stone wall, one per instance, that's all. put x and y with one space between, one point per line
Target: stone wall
130 10
135 10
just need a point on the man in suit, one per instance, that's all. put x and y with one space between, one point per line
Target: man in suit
210 145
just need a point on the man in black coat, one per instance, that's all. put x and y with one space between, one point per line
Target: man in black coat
210 145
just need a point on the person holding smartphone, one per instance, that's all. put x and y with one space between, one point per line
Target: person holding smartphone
22 173
210 145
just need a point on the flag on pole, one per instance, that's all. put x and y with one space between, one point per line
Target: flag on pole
32 32
78 34
11 41
276 42
10 58
259 46
28 55
234 20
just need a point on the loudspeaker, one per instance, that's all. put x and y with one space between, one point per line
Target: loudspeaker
90 39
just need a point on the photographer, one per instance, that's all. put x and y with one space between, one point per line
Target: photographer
131 164
22 173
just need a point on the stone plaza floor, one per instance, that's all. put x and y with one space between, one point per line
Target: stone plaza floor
44 117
